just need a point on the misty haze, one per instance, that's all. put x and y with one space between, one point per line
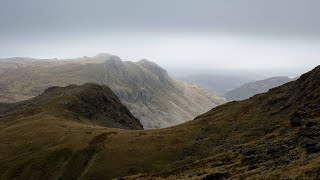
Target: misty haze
171 89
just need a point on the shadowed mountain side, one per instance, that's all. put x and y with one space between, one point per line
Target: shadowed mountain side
144 87
272 135
250 89
89 103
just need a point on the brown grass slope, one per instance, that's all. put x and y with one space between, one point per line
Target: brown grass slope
272 135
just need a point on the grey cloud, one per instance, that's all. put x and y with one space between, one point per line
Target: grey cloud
41 16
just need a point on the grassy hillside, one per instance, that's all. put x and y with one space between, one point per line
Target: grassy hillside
273 135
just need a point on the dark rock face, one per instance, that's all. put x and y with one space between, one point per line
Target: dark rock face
296 121
97 102
313 148
309 138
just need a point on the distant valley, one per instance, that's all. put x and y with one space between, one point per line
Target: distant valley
214 81
234 86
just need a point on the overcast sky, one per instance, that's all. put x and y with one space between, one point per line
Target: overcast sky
205 33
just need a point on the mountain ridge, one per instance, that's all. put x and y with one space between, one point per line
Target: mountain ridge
145 88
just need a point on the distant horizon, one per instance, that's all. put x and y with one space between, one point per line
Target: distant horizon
187 50
184 71
252 35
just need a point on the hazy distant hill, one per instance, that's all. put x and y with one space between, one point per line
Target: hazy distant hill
145 88
250 89
215 81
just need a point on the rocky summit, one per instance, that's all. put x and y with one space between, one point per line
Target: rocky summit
145 88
